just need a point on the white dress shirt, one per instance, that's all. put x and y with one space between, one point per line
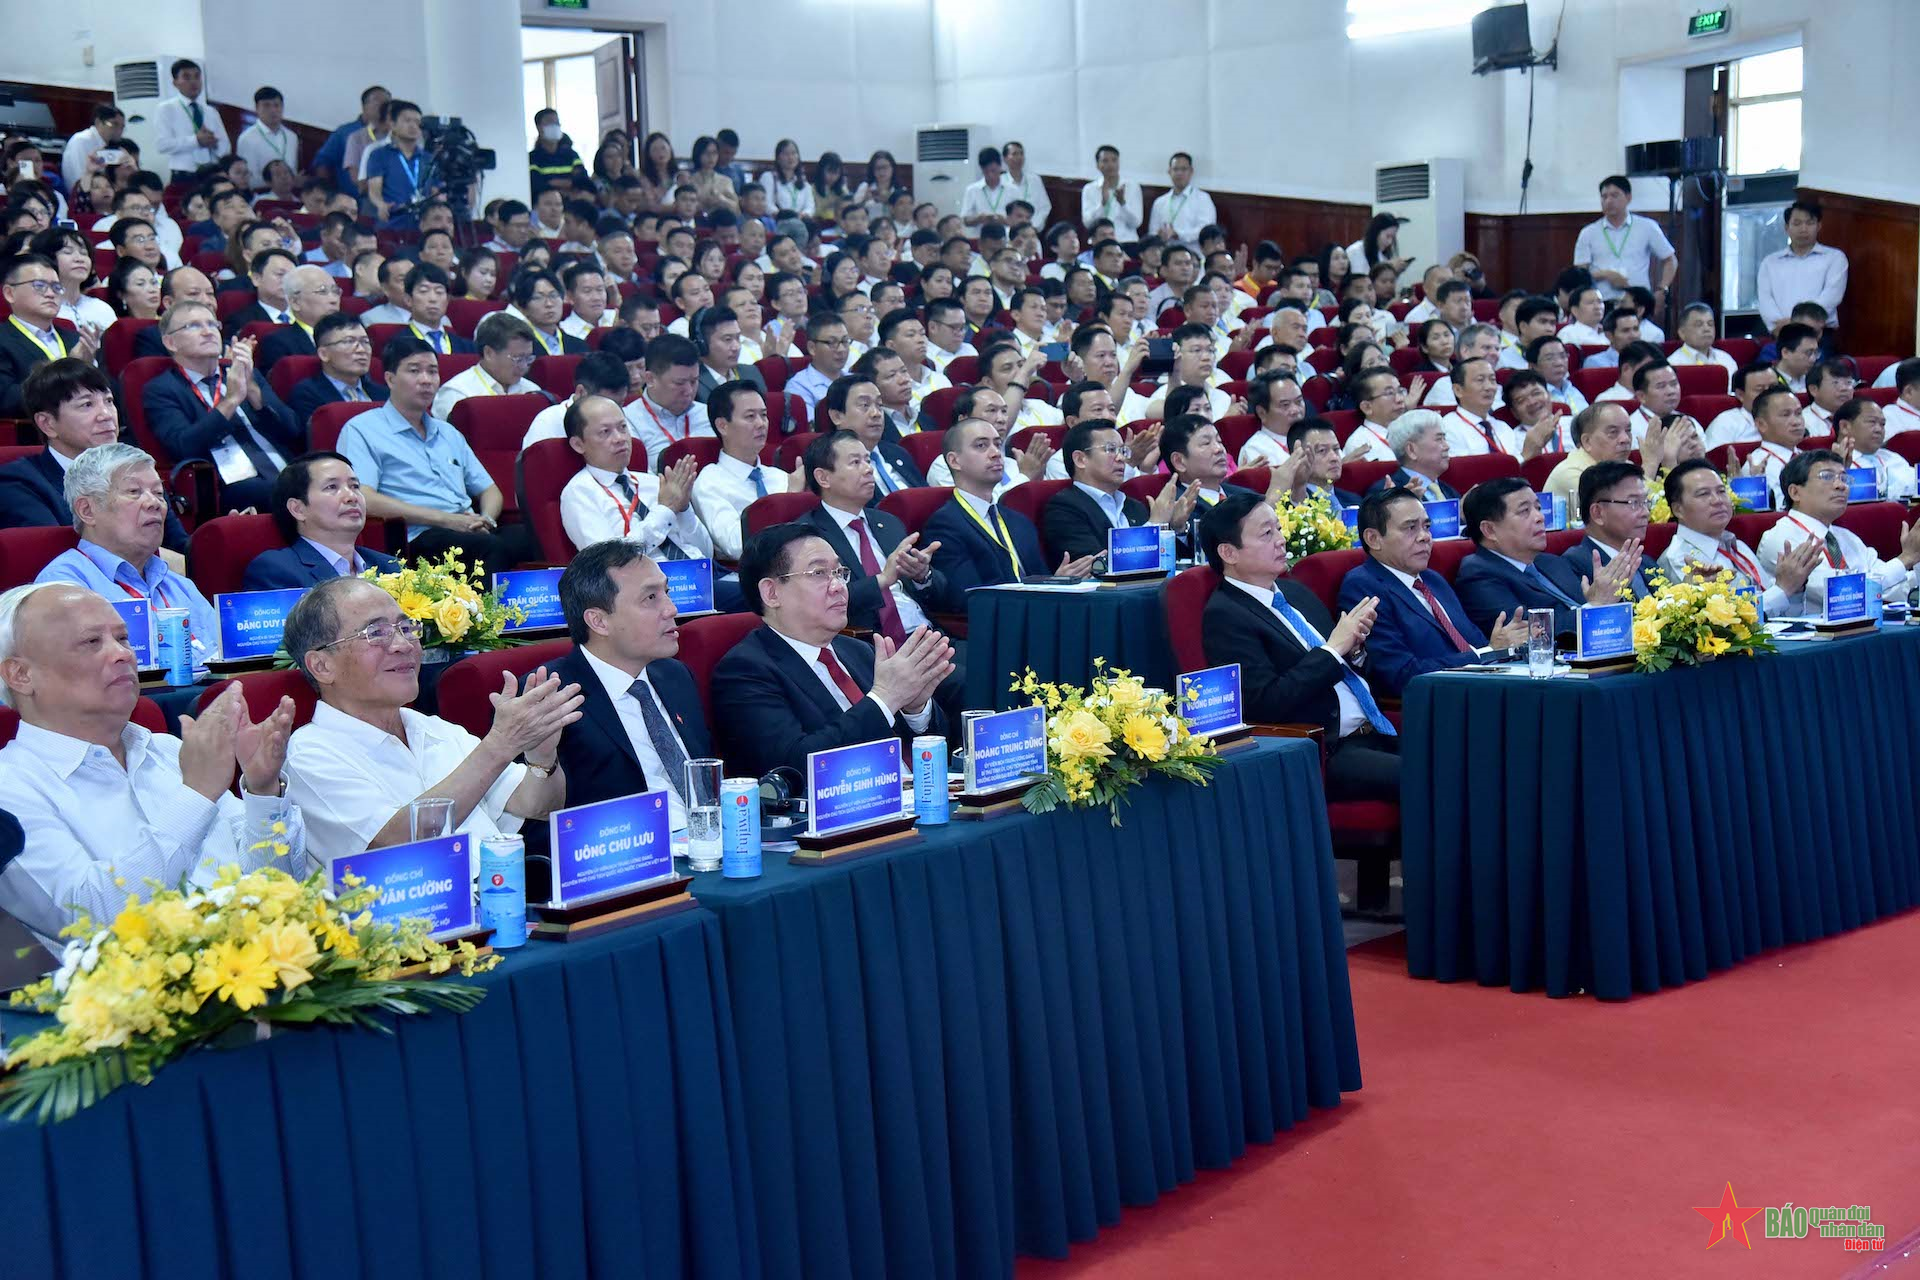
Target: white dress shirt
655 428
1123 207
88 311
1467 434
1351 716
911 614
1188 212
810 654
1777 456
1582 335
1035 412
981 200
1030 188
1262 449
350 778
1631 249
1893 472
1901 416
722 493
473 381
73 159
1615 392
1419 313
1731 426
619 687
574 326
1892 578
1441 395
1689 357
176 134
591 511
97 832
259 147
1691 550
797 197
1786 279
1135 406
1375 438
1817 420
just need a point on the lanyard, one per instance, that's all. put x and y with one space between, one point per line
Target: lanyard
558 344
685 431
1485 429
1626 231
1377 434
1175 203
219 389
1826 550
421 334
279 148
1733 557
57 350
491 388
626 511
1002 540
993 195
411 169
159 589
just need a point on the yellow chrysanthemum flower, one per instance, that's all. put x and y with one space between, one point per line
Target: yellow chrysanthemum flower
239 973
290 948
415 605
1145 735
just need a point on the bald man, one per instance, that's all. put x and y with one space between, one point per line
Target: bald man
312 296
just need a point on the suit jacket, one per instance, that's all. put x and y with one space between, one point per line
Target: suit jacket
310 393
1587 557
459 346
1281 680
1489 586
287 340
301 566
33 495
595 752
903 466
1345 497
19 356
863 590
252 313
770 707
709 381
1075 525
147 343
1407 640
968 558
189 429
1399 477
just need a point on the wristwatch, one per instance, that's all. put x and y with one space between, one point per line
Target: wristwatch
540 770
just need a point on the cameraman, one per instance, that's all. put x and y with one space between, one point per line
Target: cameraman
401 172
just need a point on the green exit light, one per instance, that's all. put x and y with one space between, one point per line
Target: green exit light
566 4
1709 24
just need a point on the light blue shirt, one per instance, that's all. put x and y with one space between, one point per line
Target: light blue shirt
1112 505
100 571
391 458
339 566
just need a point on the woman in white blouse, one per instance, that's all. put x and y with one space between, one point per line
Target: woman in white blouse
73 258
786 183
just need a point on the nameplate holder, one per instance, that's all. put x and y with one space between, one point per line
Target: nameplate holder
537 591
429 880
1752 490
1133 554
1444 517
855 804
1603 639
1847 612
1006 754
1350 516
138 615
1210 703
689 585
1863 484
602 913
250 627
612 867
1554 507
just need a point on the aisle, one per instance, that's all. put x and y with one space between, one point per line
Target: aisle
1501 1134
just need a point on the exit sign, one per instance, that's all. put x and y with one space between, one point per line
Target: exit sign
566 4
1712 23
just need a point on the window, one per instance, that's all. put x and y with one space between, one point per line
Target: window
1370 18
1763 116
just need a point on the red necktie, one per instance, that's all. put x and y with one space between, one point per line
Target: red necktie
1440 615
844 682
870 565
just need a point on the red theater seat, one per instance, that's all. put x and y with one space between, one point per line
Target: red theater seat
704 641
776 508
221 549
915 506
545 469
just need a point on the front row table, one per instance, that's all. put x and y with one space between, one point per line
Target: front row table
1633 832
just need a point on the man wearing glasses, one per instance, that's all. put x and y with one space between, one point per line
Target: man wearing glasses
1613 505
1814 488
312 296
28 338
796 685
357 767
506 353
346 356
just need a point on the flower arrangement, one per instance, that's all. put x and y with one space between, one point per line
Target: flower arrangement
1311 526
1691 622
1104 740
189 967
451 610
1661 513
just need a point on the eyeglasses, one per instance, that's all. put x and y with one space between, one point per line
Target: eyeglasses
819 577
1827 475
382 632
1631 504
351 344
524 362
45 288
143 239
195 326
1111 450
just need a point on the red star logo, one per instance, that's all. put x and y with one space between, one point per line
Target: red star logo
1726 1217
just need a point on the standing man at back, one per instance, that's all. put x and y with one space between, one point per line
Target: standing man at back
1621 250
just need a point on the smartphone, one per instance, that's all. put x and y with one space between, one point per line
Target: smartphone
1159 348
1055 351
23 168
112 155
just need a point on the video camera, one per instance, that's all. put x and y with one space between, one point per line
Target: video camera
458 157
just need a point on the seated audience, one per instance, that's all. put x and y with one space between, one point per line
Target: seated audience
1797 350
267 270
214 405
1549 358
723 492
1077 519
667 409
1736 425
29 338
1509 572
506 353
1614 509
599 373
318 508
346 358
428 288
1418 439
1814 488
1703 546
1313 466
1621 327
1829 385
1600 434
853 404
1278 404
606 500
893 583
1696 332
1860 428
1777 418
312 295
974 541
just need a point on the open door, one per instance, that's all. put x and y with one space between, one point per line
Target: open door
612 83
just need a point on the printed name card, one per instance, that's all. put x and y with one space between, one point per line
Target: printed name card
535 590
1350 516
1554 507
1751 490
139 619
251 621
1605 631
1210 700
1135 550
606 847
429 880
1006 748
853 786
1863 484
689 585
1847 597
1445 517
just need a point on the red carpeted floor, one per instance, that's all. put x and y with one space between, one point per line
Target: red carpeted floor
1507 1135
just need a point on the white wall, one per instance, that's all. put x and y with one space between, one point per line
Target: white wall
44 43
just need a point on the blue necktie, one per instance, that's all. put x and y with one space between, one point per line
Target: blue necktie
1532 574
880 475
437 339
759 483
1355 685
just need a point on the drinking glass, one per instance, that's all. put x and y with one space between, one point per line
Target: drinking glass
1540 635
703 814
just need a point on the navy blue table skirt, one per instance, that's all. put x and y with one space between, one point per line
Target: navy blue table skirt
583 1120
1629 833
1060 634
991 1040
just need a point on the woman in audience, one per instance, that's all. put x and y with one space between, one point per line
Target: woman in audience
748 275
840 278
877 191
236 171
665 272
535 257
73 258
479 275
786 183
194 210
1378 245
1334 268
1386 286
715 188
610 163
1357 357
657 170
710 260
1435 341
829 187
936 283
135 238
99 194
135 289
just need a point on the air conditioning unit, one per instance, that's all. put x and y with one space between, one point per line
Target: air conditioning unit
1431 195
139 87
945 162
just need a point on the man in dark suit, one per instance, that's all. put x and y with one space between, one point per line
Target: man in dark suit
428 289
1076 520
1419 441
853 404
977 542
312 296
71 402
182 284
894 584
1313 449
230 416
28 339
641 720
1510 572
1419 625
346 355
796 685
319 510
268 270
716 336
1296 663
1613 507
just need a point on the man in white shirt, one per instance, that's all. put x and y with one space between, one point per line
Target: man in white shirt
1193 366
506 353
985 199
395 310
1696 340
1022 185
1777 419
1588 308
1475 342
1381 400
1470 427
1110 197
1804 271
1547 356
586 300
1428 308
268 139
1735 425
76 161
1183 210
827 344
1830 384
1622 250
190 133
1797 351
1703 547
1904 413
1029 312
668 409
1278 404
366 756
108 808
1657 387
599 373
1862 431
1180 268
605 500
1814 488
1621 326
1636 355
946 334
722 492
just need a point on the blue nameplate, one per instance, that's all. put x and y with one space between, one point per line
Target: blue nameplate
689 585
1210 700
1006 748
1604 631
1350 516
1752 596
850 787
139 619
1847 597
1863 484
1135 550
431 880
535 590
613 845
1751 490
1554 508
1444 517
251 621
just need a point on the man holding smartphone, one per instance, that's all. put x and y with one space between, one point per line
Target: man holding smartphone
93 148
